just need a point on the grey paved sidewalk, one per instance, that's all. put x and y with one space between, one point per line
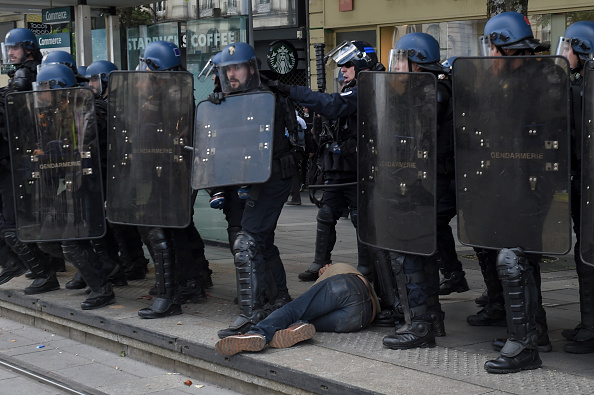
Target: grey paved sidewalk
79 365
329 363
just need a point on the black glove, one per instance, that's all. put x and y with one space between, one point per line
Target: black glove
279 87
216 97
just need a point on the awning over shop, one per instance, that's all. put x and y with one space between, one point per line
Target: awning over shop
9 7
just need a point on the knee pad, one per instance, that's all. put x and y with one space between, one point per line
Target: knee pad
159 240
244 248
10 237
509 263
325 215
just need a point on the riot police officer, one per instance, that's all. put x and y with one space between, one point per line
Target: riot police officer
127 238
417 277
577 45
509 36
177 269
339 156
85 255
98 76
20 49
254 249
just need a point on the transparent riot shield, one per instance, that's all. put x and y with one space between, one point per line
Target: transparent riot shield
511 118
587 187
55 164
233 141
397 160
150 131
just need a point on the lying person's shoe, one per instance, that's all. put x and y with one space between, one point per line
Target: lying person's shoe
294 334
232 345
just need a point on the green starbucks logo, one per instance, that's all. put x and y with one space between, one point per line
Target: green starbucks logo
282 57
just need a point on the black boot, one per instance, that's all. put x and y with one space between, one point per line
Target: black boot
77 282
582 337
11 264
82 255
101 297
521 303
482 300
325 240
250 284
455 282
418 334
35 260
191 292
490 315
167 302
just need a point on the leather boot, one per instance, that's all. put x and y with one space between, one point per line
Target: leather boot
250 287
521 302
325 240
82 255
77 282
35 260
191 292
418 334
490 315
582 337
11 264
167 302
103 296
455 282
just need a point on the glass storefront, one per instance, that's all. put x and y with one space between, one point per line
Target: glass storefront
207 37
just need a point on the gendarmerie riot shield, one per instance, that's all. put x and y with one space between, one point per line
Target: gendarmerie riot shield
150 123
233 141
56 166
511 118
587 163
397 161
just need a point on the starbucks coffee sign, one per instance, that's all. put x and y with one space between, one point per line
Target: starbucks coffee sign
282 57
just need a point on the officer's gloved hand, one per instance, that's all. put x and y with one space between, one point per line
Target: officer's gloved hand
216 97
244 191
217 200
279 87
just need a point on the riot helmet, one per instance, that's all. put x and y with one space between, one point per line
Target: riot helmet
509 30
82 70
59 57
160 56
579 37
98 75
419 48
55 76
360 53
18 45
238 68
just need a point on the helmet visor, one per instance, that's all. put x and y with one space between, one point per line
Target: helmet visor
146 64
208 68
398 61
564 47
343 53
485 45
239 77
13 54
96 84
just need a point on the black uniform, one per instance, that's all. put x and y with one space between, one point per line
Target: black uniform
256 256
339 166
21 79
